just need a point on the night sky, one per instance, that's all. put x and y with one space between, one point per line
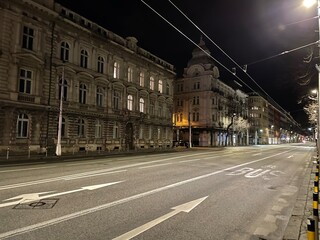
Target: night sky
247 30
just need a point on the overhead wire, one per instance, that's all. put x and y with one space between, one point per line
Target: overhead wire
209 55
227 55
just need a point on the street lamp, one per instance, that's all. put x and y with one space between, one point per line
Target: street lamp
310 3
58 147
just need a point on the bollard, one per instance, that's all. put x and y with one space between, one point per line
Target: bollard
316 186
72 149
317 177
46 151
316 214
29 152
311 229
8 153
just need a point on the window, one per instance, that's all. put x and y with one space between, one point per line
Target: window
159 133
160 111
141 105
152 83
196 85
167 89
25 81
99 97
81 128
83 58
22 126
141 79
196 100
151 108
116 99
65 89
130 102
160 87
181 117
27 38
195 116
100 64
116 70
82 93
141 132
64 51
130 74
98 129
115 131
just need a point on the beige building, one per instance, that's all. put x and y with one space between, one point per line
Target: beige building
115 94
268 124
206 106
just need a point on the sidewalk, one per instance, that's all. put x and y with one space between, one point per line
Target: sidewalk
303 209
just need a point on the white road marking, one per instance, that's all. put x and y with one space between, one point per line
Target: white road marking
156 165
256 154
290 156
30 197
190 160
25 169
187 207
64 218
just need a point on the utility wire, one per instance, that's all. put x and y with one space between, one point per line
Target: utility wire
282 53
225 54
195 44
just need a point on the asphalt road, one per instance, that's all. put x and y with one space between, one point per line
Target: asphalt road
236 194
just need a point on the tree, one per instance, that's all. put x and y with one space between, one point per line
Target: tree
312 111
240 125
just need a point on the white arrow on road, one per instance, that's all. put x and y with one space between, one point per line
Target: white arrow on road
186 207
30 197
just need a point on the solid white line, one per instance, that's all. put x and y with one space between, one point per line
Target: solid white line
93 175
23 184
191 160
25 169
256 154
157 165
54 221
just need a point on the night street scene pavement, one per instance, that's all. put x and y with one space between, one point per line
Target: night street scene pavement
204 193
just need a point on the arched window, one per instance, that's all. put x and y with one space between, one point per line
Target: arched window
141 105
22 126
141 79
152 83
100 64
116 70
82 93
99 97
83 58
130 74
65 89
81 127
98 129
130 102
160 87
64 51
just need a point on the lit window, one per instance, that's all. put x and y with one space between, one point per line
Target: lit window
160 87
116 70
130 74
141 105
130 102
152 83
141 79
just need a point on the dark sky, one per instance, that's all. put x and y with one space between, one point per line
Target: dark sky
247 30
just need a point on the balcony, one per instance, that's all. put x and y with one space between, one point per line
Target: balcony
26 98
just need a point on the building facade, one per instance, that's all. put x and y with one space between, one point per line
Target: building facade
206 107
115 95
269 125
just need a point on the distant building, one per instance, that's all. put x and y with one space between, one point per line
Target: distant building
268 124
207 105
116 95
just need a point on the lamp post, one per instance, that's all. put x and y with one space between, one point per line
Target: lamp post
58 147
310 3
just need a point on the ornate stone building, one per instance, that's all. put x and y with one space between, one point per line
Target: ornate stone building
115 94
207 105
